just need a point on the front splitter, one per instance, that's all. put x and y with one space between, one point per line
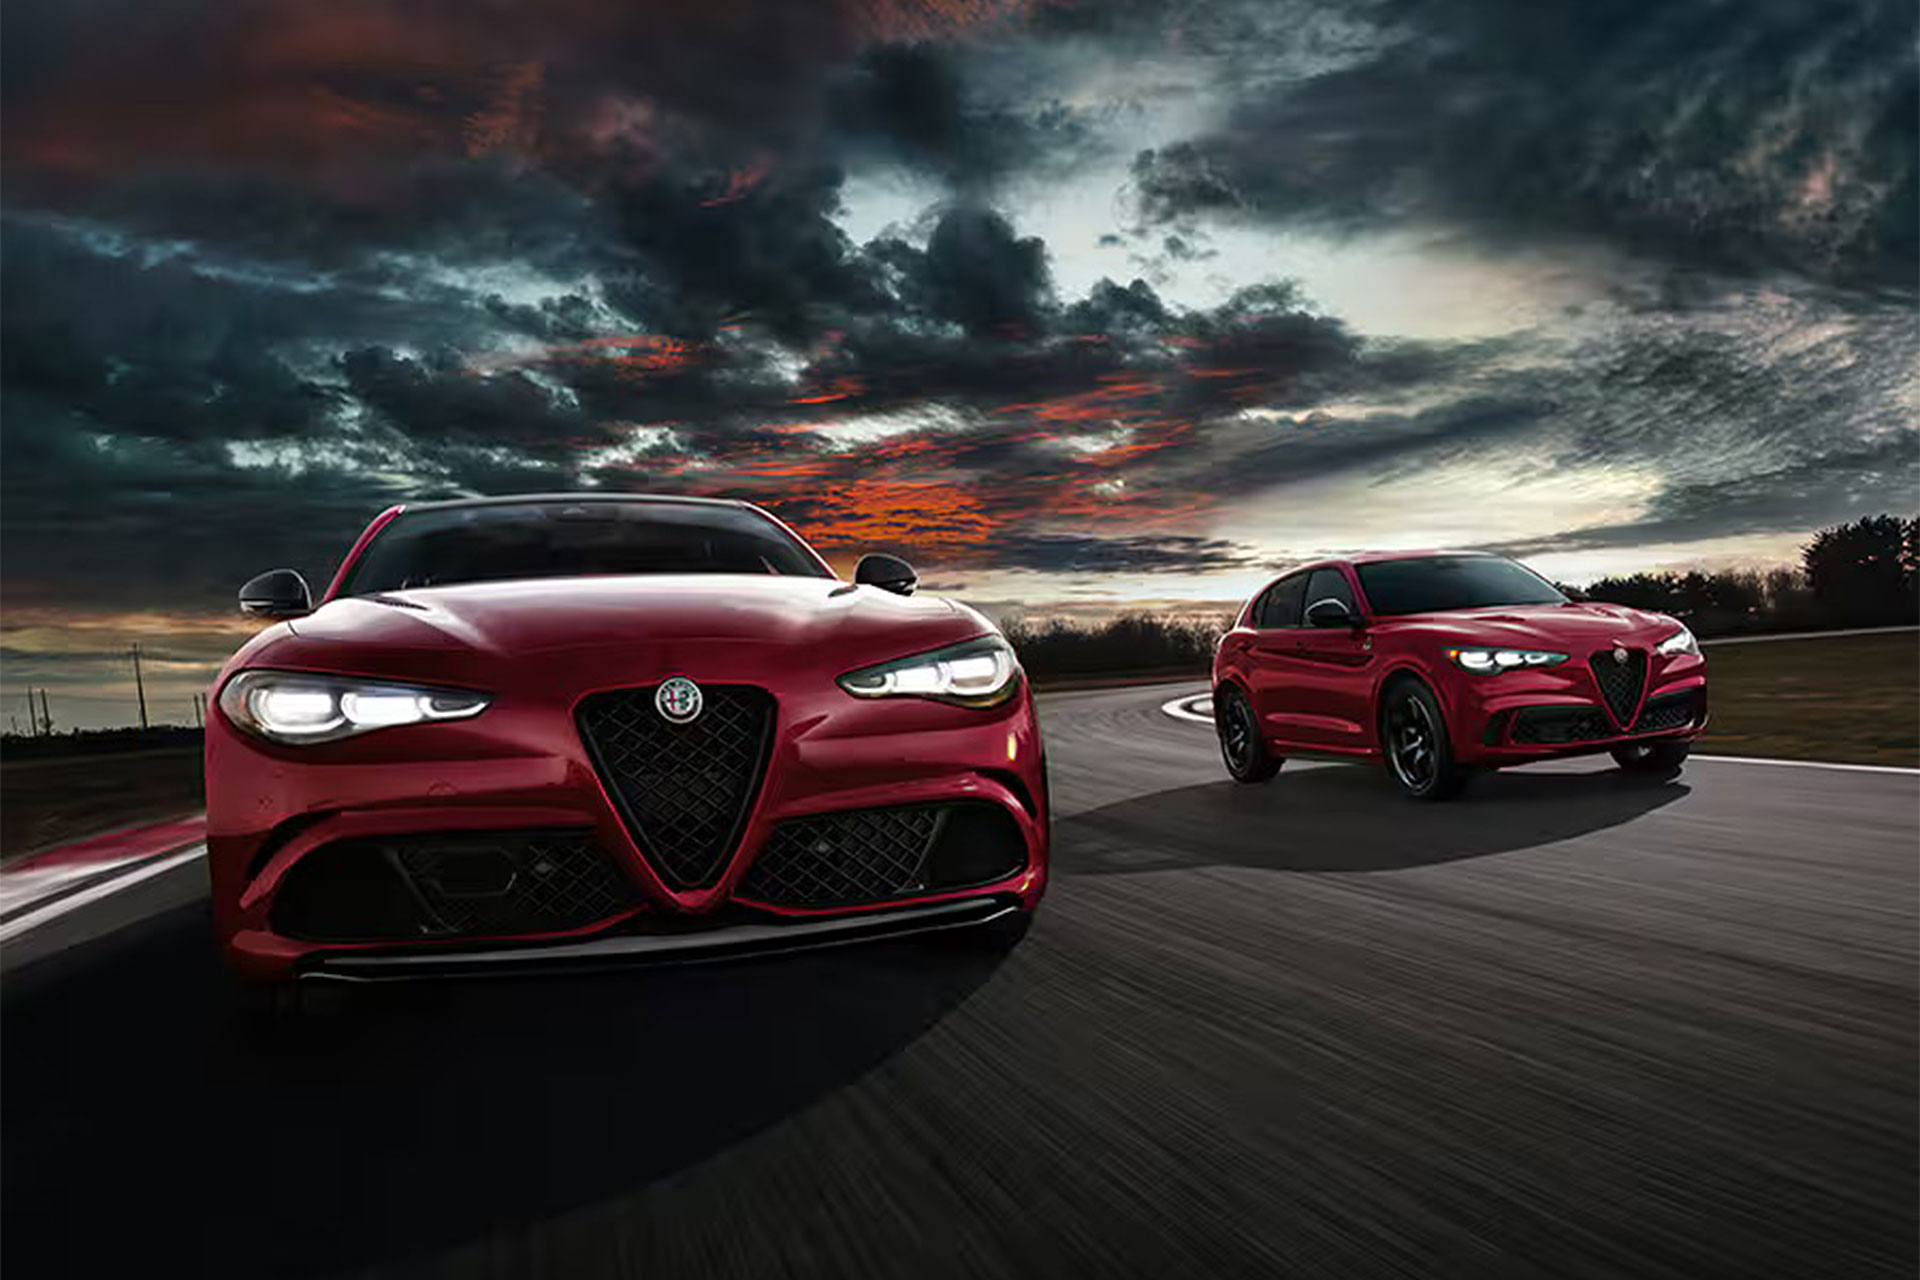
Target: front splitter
729 942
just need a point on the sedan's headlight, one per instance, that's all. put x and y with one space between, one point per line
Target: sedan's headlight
1488 662
297 707
1679 642
975 673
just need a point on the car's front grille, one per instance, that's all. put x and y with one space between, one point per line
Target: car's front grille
1668 711
1554 726
683 790
466 884
875 855
1621 679
1560 725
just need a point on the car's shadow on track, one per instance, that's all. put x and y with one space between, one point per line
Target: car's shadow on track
149 1129
1347 819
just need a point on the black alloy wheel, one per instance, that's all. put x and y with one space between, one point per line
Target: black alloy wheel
1414 741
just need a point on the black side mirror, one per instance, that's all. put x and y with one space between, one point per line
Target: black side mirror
279 593
889 573
1331 613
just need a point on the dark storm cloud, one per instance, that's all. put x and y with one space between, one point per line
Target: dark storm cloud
1775 133
1067 553
913 105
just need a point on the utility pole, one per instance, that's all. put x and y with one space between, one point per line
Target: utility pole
140 687
46 716
199 721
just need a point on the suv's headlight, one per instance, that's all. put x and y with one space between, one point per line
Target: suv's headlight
1487 662
297 707
1679 642
974 673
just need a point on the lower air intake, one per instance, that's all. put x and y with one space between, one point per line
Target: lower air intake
465 885
876 855
1555 726
1668 711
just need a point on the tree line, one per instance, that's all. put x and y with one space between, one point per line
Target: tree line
1863 574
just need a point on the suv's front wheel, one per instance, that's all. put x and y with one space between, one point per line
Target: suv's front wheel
1413 737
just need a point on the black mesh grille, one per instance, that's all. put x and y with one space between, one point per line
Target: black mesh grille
515 884
682 789
1551 726
1620 681
456 885
1668 711
865 855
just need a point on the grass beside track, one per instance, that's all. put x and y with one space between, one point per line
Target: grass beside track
1852 699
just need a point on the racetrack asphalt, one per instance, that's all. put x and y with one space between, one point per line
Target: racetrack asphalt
1574 1025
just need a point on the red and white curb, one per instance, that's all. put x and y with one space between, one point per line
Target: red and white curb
45 886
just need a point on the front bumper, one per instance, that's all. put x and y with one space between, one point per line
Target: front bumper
522 769
1558 712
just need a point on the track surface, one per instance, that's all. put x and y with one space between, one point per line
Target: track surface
1572 1026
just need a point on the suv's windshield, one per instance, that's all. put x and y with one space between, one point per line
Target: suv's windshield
573 539
1431 584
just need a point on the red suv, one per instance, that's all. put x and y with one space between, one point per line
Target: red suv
1442 662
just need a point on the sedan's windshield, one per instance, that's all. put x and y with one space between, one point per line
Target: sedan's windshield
572 539
1432 584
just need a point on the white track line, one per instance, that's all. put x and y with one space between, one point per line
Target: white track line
1810 635
1182 709
61 906
1808 764
1179 709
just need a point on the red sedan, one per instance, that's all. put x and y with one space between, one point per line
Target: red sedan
584 730
1440 663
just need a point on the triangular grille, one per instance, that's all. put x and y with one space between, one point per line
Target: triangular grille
683 790
1620 681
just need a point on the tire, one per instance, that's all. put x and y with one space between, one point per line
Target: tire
1415 744
1241 747
1659 759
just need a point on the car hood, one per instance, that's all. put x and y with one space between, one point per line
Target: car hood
1581 625
591 621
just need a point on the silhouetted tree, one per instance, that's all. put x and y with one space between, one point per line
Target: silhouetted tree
1132 643
1866 572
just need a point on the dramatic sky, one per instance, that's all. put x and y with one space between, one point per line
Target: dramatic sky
1076 304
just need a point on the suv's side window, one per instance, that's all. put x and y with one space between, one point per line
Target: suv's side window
1282 603
1330 584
